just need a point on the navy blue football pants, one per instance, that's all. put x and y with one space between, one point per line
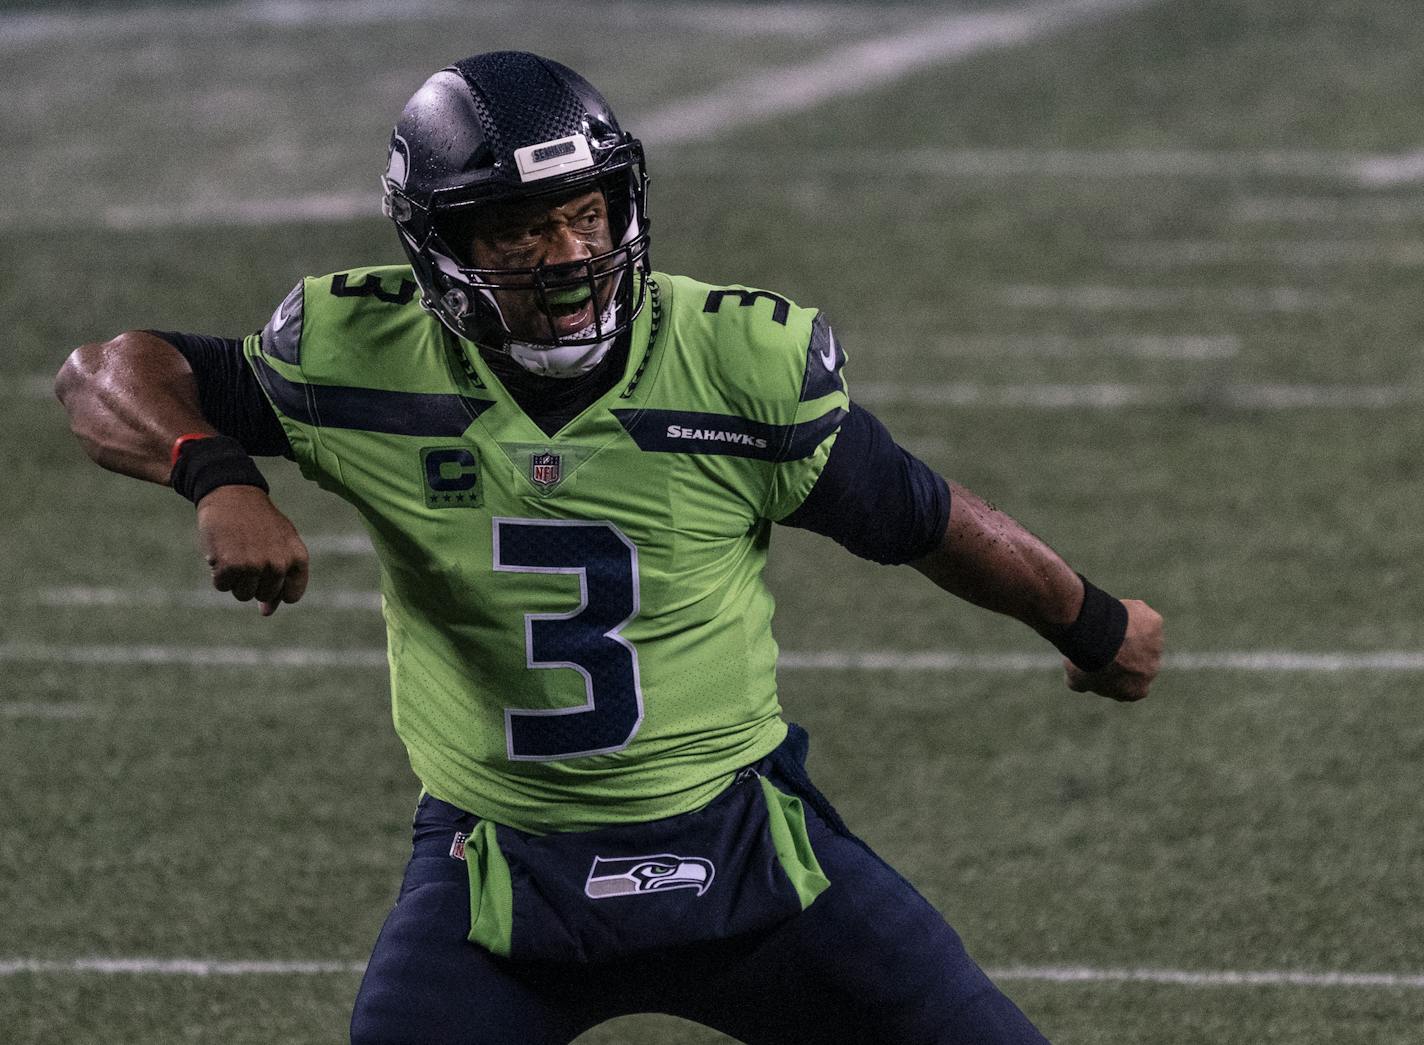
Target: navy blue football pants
870 962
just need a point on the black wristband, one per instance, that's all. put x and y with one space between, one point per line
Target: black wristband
205 464
1092 641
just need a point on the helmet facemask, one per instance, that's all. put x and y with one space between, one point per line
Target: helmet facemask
509 128
466 297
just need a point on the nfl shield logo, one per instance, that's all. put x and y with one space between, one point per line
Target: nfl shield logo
544 469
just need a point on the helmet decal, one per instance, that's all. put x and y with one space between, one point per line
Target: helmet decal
548 159
398 163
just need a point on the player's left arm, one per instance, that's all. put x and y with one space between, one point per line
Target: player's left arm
1111 647
882 503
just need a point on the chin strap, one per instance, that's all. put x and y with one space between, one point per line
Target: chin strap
565 360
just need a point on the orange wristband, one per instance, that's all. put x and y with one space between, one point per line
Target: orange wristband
186 437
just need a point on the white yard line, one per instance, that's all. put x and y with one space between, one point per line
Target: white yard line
1085 974
27 30
1385 172
1376 210
1002 663
1255 661
40 709
1106 164
1169 255
1097 298
215 210
866 65
177 967
793 20
339 544
363 204
1209 977
1187 347
157 655
78 596
1110 396
1037 396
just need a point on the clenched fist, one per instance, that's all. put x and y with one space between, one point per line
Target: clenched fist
252 548
1131 672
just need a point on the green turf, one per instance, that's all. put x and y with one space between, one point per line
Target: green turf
1236 821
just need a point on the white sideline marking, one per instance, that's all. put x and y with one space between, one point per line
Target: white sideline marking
1049 973
1208 978
1145 346
868 64
80 596
1284 661
1109 396
1106 298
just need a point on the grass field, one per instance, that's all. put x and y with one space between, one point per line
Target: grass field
1150 281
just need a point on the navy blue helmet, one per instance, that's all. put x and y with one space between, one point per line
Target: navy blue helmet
511 126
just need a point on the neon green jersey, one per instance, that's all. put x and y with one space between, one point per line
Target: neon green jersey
578 629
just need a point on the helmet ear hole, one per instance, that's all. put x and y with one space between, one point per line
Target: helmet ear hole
456 229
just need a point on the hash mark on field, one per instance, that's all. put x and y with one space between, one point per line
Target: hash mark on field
1267 661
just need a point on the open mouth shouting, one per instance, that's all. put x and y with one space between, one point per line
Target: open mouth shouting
570 310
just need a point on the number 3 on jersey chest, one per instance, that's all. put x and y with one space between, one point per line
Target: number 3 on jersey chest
587 638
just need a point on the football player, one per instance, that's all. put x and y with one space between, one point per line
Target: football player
569 464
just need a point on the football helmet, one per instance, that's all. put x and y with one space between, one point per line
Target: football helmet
511 126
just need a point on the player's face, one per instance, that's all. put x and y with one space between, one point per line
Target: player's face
537 233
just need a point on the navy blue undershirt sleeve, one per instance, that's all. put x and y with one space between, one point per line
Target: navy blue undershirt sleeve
875 498
229 394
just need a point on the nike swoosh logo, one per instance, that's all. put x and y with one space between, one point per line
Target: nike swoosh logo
280 319
828 354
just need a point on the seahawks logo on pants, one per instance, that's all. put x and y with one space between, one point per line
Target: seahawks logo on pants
624 876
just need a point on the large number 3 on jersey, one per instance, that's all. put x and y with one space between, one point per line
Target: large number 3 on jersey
586 639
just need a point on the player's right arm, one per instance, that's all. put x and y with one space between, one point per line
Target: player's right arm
128 400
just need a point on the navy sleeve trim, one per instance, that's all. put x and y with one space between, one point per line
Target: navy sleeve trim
875 498
229 394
